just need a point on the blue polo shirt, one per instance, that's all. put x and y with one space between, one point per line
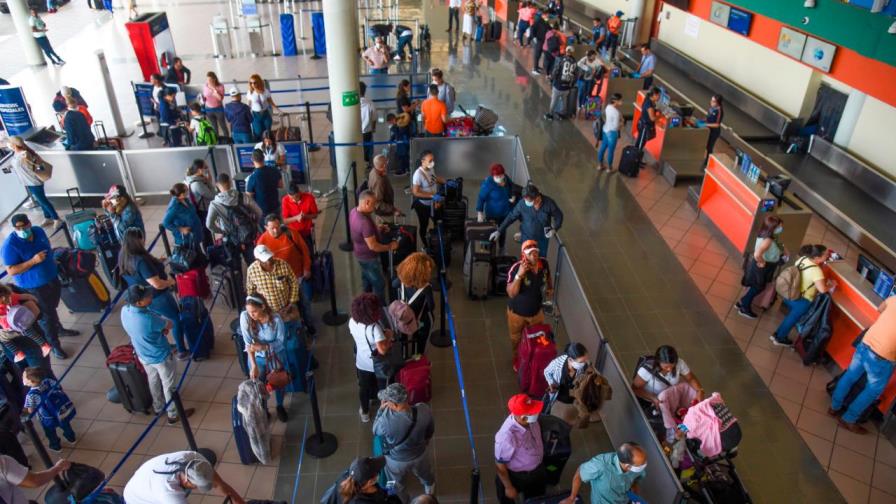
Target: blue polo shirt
17 250
145 329
262 183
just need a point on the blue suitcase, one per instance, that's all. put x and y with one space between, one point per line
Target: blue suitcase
200 336
241 437
296 362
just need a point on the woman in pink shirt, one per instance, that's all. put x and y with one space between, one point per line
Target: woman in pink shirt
213 96
526 13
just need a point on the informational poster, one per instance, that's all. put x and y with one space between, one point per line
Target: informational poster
883 287
819 54
719 13
143 95
14 112
295 159
791 42
244 157
692 26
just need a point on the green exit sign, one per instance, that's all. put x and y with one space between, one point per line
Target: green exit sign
350 98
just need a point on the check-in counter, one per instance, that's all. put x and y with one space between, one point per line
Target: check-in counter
625 86
678 151
736 206
855 308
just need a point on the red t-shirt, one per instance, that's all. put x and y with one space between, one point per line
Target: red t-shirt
4 310
306 205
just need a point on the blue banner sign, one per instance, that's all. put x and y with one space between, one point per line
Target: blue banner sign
14 112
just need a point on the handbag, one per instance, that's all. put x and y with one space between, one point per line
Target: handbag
277 377
385 366
42 169
183 256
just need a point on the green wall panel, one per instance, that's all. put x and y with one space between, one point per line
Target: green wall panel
840 23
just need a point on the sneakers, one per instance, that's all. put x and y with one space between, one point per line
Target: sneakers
365 417
746 313
30 204
852 427
187 412
536 72
281 414
833 412
183 356
71 439
68 332
397 58
60 353
774 340
45 349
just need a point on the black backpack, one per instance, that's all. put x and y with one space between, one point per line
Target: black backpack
241 226
568 71
553 44
80 479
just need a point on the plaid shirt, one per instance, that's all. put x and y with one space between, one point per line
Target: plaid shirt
279 286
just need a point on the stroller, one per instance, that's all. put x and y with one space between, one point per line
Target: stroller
484 121
713 479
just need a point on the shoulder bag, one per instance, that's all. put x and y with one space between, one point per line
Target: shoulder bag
385 366
42 169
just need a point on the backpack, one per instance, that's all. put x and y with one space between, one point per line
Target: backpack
242 229
74 263
80 481
568 71
57 404
402 315
552 43
787 284
614 24
205 133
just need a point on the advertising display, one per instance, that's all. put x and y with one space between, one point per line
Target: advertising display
14 112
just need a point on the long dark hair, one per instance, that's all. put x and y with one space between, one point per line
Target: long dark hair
666 355
133 247
574 350
813 251
769 224
401 91
257 300
718 98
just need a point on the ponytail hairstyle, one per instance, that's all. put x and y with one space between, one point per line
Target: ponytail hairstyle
666 354
178 189
813 251
349 488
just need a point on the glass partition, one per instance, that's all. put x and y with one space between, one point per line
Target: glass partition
468 157
12 192
93 172
153 171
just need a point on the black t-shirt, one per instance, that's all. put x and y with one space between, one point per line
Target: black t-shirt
645 120
527 303
401 102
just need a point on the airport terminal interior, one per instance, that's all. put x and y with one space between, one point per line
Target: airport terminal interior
642 259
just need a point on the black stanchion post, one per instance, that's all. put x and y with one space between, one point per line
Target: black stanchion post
346 246
41 450
101 336
355 181
211 156
474 486
188 432
440 337
320 444
333 317
165 242
68 236
312 147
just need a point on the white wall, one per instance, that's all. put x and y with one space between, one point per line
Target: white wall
872 137
771 76
611 6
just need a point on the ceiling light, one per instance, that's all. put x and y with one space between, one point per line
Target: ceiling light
809 4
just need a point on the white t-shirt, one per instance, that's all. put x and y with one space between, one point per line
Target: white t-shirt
368 115
427 183
148 487
655 385
258 102
12 474
366 338
613 121
271 154
36 22
455 4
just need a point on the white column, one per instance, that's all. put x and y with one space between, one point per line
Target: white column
341 25
109 92
18 9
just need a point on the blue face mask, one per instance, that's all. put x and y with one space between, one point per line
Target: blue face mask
529 202
24 233
779 230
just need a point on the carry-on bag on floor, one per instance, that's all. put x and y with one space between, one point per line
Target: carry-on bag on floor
130 380
231 291
416 376
286 132
85 294
630 161
103 142
556 498
435 248
79 224
555 436
240 345
571 107
198 328
80 480
241 437
322 272
536 350
296 362
501 270
479 253
194 283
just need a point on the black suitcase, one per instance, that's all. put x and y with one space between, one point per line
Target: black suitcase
86 294
241 437
555 435
433 247
453 189
630 161
241 355
231 291
407 240
502 267
495 28
454 217
199 333
479 254
130 381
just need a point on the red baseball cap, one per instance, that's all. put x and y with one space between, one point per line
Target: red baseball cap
521 404
497 169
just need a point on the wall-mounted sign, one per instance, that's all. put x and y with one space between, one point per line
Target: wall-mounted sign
740 21
819 54
791 42
719 13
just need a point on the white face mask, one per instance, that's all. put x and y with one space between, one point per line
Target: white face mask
779 230
578 365
379 46
637 469
499 180
529 202
430 165
531 419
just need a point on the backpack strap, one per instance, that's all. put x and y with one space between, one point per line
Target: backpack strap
653 372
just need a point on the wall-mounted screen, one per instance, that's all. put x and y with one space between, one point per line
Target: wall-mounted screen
740 21
719 13
819 54
791 42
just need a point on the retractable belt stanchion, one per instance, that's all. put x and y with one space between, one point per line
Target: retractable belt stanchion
101 336
320 444
346 246
474 486
208 453
312 147
440 337
165 242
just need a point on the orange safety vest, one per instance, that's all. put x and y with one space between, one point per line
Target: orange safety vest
613 24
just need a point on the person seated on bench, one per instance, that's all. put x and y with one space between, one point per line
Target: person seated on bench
661 371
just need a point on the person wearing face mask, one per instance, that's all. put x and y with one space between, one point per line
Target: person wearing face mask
496 198
425 185
377 57
663 383
365 245
24 164
611 475
760 269
539 217
528 285
182 219
28 257
519 452
561 373
812 283
122 211
171 477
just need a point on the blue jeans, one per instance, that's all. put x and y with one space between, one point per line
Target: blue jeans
374 71
607 143
747 300
242 138
53 438
585 86
44 44
521 28
166 306
405 42
40 196
878 369
372 278
261 122
797 309
262 374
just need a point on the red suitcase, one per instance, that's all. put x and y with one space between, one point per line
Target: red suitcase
416 377
537 349
193 283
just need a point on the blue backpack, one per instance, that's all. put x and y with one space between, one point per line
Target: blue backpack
56 404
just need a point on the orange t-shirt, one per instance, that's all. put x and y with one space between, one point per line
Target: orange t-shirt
881 336
433 109
294 251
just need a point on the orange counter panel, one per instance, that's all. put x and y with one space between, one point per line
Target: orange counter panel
728 203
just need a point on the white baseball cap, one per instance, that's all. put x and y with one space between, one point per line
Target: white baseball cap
263 253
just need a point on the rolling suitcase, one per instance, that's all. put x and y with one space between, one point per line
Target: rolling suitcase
286 132
536 350
130 380
501 269
406 237
85 294
198 328
296 362
230 291
241 437
416 376
102 234
480 32
630 161
555 435
495 29
237 337
79 224
454 217
193 283
479 253
378 450
572 104
322 273
435 248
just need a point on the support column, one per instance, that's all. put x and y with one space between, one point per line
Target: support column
341 25
117 123
19 11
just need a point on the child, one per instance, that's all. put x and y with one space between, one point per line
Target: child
53 406
13 321
400 131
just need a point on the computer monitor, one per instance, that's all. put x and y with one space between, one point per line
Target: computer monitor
868 269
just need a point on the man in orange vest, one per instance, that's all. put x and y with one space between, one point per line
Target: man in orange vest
614 27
